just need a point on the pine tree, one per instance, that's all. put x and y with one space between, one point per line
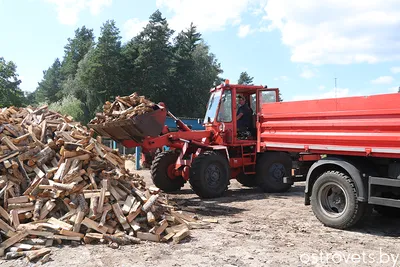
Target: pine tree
49 89
245 78
75 51
155 58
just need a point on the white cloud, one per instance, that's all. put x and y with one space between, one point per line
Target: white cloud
68 10
395 69
307 73
338 32
394 89
339 92
96 6
281 78
383 80
207 15
322 87
133 26
243 31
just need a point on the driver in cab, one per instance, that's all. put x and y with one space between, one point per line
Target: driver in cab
243 115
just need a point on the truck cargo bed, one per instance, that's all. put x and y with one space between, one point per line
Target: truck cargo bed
353 126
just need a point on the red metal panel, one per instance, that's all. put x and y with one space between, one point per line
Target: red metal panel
351 126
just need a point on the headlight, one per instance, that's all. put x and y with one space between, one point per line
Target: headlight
222 127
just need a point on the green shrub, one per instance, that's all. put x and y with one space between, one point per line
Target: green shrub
69 105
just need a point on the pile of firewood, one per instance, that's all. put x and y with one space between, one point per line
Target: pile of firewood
124 107
58 183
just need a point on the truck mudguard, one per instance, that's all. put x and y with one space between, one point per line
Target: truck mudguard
322 165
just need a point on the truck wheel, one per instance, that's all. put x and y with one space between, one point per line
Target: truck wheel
247 179
271 168
161 172
334 200
209 175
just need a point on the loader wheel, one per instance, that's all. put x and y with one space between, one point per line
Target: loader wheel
247 180
334 200
161 172
209 175
271 168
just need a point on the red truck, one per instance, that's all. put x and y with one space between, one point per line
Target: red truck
347 150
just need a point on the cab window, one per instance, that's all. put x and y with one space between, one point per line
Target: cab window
267 97
225 109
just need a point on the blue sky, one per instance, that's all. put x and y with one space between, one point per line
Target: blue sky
297 46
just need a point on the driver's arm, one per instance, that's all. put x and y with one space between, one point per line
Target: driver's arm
239 116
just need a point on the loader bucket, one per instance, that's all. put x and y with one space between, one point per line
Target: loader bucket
135 128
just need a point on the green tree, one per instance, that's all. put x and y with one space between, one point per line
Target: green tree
49 89
10 93
75 51
245 78
184 80
154 60
98 78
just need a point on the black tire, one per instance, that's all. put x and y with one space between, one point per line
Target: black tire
334 201
209 175
159 172
271 168
248 180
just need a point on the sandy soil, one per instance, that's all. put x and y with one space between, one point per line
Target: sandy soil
253 229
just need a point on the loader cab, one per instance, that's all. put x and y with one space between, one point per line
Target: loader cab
223 105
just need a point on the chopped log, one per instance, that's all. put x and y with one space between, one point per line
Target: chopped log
4 214
94 225
19 205
14 218
78 220
5 227
168 237
15 254
38 207
149 203
49 206
9 155
102 195
150 217
114 193
122 240
31 255
95 194
5 140
44 156
104 215
162 226
130 200
39 172
120 216
15 200
71 233
94 202
60 224
181 235
148 236
71 238
11 241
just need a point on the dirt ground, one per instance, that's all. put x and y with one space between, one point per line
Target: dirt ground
253 229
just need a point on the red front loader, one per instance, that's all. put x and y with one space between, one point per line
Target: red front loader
208 159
